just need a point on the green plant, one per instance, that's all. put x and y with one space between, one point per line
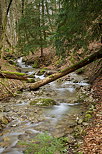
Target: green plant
78 24
42 71
36 64
44 144
87 117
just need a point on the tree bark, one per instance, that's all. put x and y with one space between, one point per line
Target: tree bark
4 25
53 77
15 75
48 14
0 24
0 20
9 7
22 6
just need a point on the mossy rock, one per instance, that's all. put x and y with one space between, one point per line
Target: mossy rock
87 117
43 102
41 72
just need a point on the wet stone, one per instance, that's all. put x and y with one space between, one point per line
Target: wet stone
3 119
43 102
80 121
23 137
1 108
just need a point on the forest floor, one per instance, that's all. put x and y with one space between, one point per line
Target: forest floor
93 139
92 142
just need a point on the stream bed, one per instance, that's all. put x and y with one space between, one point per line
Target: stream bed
27 121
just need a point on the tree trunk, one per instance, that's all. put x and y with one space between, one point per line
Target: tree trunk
4 25
40 30
67 70
43 20
0 20
0 25
48 14
9 7
22 6
15 75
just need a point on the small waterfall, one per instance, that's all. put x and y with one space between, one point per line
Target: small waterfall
22 64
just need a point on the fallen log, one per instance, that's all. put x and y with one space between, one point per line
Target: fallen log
15 75
67 70
53 77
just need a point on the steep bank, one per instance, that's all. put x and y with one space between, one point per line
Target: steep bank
93 140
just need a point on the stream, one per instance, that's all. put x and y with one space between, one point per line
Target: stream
27 121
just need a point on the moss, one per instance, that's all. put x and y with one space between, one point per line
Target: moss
87 117
43 102
80 153
15 73
80 71
59 62
36 64
19 92
31 80
51 76
72 59
42 71
89 112
45 68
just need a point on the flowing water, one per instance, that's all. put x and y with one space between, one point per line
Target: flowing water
27 121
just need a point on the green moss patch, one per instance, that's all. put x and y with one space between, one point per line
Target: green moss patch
87 117
14 73
43 102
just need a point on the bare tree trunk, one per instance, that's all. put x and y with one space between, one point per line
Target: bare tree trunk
9 7
41 34
22 6
4 25
0 25
47 10
43 20
41 48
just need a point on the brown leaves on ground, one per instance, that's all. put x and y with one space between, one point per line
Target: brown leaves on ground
93 139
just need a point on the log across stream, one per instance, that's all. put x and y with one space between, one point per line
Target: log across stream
27 120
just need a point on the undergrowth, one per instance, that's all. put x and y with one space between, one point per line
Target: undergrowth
45 144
